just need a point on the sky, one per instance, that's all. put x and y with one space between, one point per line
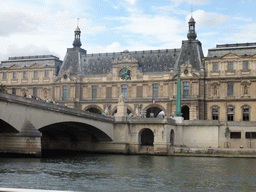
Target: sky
37 27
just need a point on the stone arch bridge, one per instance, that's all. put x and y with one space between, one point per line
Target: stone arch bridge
31 127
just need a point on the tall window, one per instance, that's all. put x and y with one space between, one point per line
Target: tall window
64 92
245 64
46 73
124 91
246 113
215 113
230 65
185 89
215 66
35 91
155 91
230 114
230 88
35 74
94 92
14 75
4 75
25 74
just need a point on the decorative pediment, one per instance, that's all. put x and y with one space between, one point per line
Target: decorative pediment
125 58
15 66
35 65
246 82
254 55
215 83
65 76
230 56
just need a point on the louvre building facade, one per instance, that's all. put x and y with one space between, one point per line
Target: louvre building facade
220 86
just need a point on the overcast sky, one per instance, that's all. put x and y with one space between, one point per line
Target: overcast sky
30 27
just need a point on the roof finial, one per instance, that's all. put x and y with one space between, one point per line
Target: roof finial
77 22
192 9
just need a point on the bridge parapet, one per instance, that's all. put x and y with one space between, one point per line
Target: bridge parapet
151 121
52 107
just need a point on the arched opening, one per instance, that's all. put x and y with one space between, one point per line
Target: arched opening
160 115
153 112
63 137
7 128
172 137
185 112
129 113
93 110
147 137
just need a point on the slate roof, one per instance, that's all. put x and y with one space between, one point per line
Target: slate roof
22 61
72 61
149 61
153 61
241 49
191 53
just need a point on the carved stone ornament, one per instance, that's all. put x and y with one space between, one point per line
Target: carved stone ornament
121 98
125 58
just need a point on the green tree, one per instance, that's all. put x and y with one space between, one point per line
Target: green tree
3 88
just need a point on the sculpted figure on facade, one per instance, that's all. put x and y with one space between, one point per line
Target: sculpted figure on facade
121 98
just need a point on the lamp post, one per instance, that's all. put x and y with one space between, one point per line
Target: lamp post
178 98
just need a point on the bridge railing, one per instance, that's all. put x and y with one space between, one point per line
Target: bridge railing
52 107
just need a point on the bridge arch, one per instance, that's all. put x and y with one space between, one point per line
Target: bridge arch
7 128
75 131
146 137
154 109
94 109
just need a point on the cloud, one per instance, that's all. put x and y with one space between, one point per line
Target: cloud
113 47
172 9
194 2
162 28
204 19
132 2
30 49
16 23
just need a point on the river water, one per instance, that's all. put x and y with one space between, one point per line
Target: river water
91 172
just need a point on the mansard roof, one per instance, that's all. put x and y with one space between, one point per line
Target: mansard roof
191 53
25 61
240 49
72 61
101 63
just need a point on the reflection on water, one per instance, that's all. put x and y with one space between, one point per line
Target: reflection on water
90 172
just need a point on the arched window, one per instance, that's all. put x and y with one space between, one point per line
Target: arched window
147 137
230 114
245 113
215 113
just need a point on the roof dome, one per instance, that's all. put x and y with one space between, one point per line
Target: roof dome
191 20
77 29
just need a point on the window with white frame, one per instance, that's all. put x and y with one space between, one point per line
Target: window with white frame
215 66
245 65
230 65
124 91
230 114
245 113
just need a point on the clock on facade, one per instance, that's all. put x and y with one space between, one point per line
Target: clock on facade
125 74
